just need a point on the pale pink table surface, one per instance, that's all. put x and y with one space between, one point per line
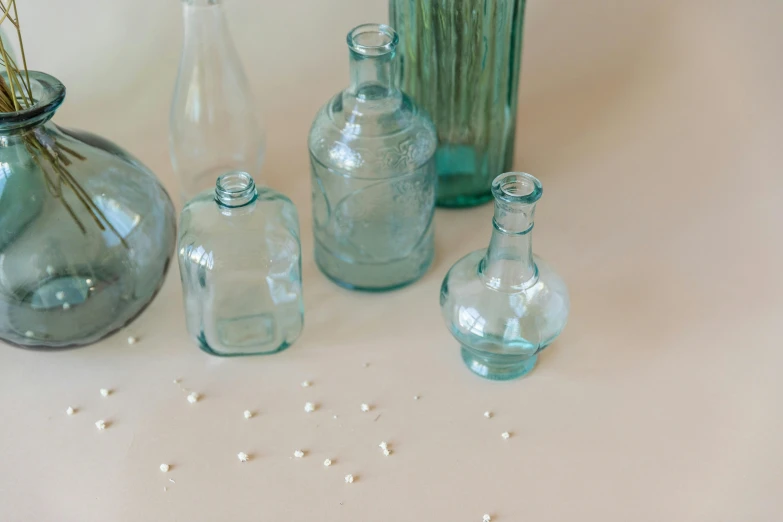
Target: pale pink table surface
656 129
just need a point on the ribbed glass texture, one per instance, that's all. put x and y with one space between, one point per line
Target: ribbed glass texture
460 62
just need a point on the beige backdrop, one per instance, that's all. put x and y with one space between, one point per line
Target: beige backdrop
656 130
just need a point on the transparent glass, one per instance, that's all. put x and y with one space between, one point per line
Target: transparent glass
503 304
213 125
61 286
241 267
373 175
460 61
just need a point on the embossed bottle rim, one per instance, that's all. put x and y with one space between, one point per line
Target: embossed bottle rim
372 39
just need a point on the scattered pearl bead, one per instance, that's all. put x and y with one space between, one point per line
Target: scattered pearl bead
328 462
349 479
165 468
299 454
243 457
105 392
60 295
309 407
416 397
488 414
248 414
29 333
487 518
365 407
101 425
132 340
66 306
387 452
383 445
70 411
305 384
505 435
193 398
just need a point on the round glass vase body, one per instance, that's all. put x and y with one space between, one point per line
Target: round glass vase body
72 273
373 174
241 267
460 62
503 304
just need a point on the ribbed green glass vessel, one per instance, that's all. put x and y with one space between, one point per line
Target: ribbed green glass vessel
460 62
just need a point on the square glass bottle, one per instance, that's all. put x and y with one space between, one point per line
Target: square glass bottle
241 267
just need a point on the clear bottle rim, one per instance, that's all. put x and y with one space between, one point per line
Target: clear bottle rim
517 187
372 40
235 189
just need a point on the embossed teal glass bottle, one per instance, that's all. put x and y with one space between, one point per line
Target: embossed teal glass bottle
460 61
503 304
373 174
241 267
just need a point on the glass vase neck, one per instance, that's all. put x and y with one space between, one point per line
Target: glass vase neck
509 263
47 93
201 3
373 52
235 189
203 16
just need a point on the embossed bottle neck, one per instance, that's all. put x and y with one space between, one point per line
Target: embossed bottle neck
373 61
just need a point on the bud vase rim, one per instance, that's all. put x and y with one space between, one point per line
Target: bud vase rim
517 187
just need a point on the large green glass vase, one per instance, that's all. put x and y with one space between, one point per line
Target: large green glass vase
460 61
86 230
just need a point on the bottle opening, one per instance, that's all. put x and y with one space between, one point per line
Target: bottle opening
47 94
373 39
234 189
201 3
517 187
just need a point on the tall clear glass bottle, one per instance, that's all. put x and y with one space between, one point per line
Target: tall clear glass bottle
213 125
503 304
373 174
241 267
460 61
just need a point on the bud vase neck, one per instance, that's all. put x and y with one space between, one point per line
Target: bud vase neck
509 263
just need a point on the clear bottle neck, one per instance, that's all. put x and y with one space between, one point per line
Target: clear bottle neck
235 189
203 18
373 62
509 264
